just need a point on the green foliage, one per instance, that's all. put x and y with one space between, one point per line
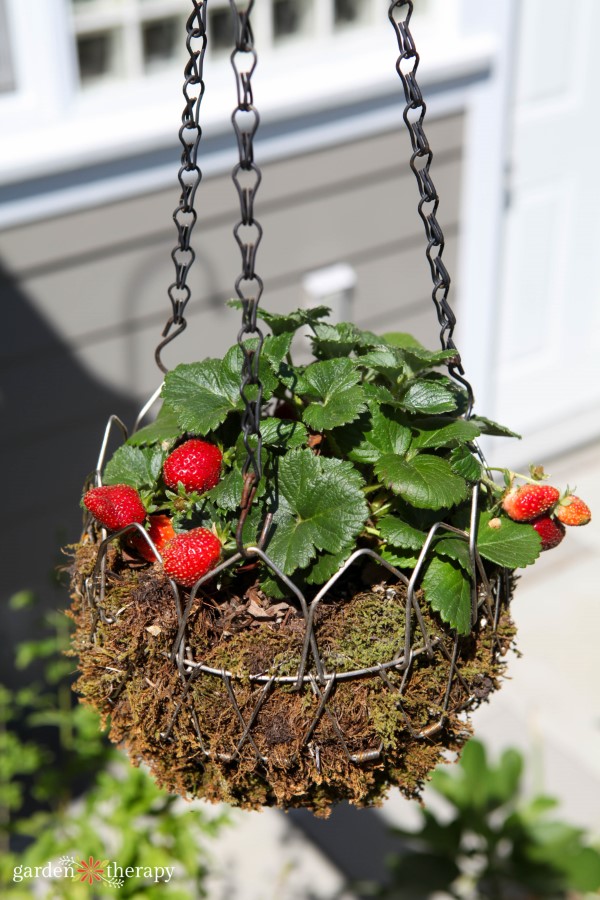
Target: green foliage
366 446
495 845
122 816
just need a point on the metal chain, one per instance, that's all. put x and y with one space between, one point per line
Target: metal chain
420 163
190 175
248 233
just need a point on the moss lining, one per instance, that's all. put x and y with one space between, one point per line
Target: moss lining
127 675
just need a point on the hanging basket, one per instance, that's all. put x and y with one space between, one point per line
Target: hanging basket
356 609
339 654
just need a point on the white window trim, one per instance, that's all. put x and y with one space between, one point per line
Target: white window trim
63 128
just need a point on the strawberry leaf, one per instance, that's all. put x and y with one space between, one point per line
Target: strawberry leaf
164 428
454 548
284 324
488 426
430 397
463 463
320 506
138 467
336 396
425 481
400 534
203 394
513 544
276 432
385 436
448 591
443 431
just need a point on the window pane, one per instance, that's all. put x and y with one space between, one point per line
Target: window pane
220 30
345 12
290 17
160 40
97 55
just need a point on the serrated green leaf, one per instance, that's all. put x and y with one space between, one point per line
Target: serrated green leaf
283 433
384 436
336 396
400 560
282 324
276 348
488 426
321 506
400 534
334 341
425 481
425 396
326 565
512 545
164 428
453 548
448 591
402 339
463 463
442 431
202 395
227 494
138 467
276 432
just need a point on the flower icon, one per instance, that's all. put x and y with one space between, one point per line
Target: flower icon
91 870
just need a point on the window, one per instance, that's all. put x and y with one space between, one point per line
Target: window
291 18
127 38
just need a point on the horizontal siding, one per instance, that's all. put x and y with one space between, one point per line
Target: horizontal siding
100 276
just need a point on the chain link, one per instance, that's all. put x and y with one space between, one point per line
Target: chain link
190 175
399 14
248 233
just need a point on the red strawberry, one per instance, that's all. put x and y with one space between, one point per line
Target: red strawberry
197 464
573 511
115 505
529 501
161 531
550 531
189 556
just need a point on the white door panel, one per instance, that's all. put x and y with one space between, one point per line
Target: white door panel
548 378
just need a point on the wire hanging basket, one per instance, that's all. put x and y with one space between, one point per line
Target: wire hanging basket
254 684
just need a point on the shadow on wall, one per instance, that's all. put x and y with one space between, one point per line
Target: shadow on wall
53 418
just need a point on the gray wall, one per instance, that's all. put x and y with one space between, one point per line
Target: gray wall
84 302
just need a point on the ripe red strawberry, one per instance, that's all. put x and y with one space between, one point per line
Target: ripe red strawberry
189 556
115 505
550 531
573 511
161 531
529 501
197 464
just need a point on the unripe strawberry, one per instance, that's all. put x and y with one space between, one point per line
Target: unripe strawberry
115 505
196 464
161 531
529 501
189 556
550 531
573 511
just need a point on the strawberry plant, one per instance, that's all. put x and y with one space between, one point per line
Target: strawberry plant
368 446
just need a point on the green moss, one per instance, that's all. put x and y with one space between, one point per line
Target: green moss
295 753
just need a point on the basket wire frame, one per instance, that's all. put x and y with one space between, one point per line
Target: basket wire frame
487 598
